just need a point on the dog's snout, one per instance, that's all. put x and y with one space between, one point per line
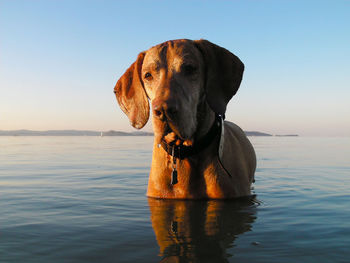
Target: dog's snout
171 108
168 108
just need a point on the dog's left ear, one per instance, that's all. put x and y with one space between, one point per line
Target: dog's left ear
131 94
223 72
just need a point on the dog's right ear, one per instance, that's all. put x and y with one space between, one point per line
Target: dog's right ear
131 94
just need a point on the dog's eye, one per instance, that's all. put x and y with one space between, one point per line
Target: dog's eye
189 69
148 75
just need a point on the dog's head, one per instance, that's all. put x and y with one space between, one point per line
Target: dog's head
178 77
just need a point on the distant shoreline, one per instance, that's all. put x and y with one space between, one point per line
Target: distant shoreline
106 133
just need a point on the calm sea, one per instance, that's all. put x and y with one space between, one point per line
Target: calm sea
82 199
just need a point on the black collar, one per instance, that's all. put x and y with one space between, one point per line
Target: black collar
182 152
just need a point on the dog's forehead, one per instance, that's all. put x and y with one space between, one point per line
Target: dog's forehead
174 52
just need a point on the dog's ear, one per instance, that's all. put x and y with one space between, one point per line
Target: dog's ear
223 72
131 94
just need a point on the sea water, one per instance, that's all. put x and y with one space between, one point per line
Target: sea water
82 199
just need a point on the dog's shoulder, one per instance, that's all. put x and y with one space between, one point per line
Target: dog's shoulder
235 135
233 130
237 147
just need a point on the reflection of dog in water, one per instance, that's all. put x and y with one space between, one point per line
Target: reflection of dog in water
199 231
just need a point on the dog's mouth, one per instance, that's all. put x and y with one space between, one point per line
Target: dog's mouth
172 136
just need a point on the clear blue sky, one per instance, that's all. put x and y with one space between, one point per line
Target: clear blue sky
60 59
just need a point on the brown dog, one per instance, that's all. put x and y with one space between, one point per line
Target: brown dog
195 154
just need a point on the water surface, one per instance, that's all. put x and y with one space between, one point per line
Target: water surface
82 199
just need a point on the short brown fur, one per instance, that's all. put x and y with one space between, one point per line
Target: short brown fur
188 83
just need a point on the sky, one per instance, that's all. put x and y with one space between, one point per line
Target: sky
60 60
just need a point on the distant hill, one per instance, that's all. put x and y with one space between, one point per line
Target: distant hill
72 133
99 133
49 133
119 133
256 133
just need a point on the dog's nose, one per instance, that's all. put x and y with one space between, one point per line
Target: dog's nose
158 111
168 108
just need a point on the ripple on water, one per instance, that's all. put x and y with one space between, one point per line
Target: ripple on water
82 199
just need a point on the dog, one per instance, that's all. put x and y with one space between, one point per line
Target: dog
196 154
